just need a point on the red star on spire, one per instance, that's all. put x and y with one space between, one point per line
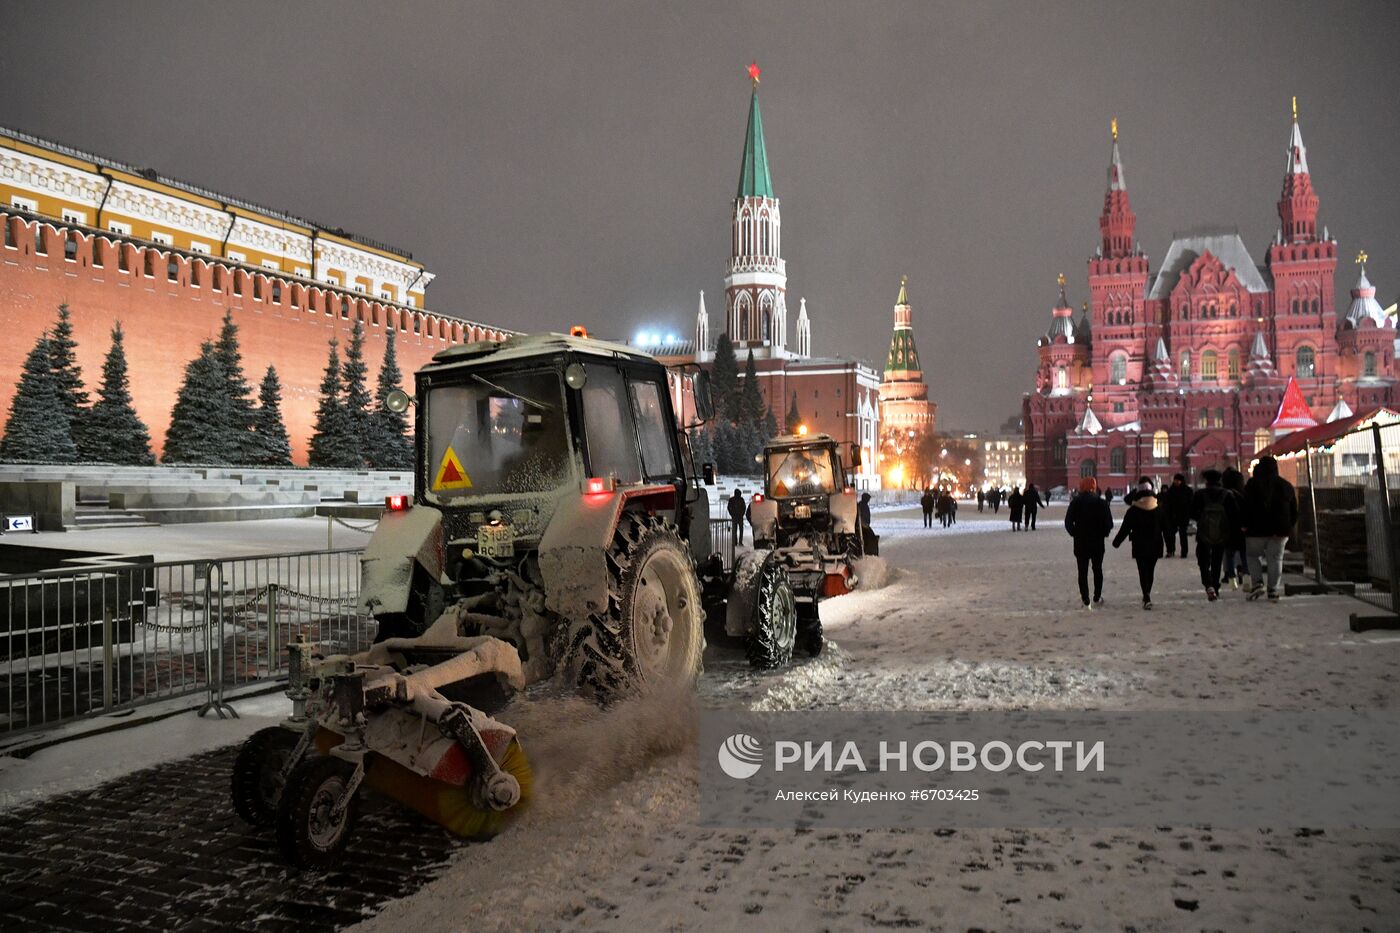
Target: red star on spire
754 71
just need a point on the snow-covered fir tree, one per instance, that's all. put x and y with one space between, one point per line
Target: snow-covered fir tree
271 446
724 380
237 389
356 399
38 427
392 447
204 423
794 417
332 444
68 380
115 433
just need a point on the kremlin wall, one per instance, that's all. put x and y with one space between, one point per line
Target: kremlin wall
166 259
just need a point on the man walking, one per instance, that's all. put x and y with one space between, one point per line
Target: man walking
1088 521
926 502
1031 504
736 518
1270 512
1236 572
981 499
1177 500
1217 516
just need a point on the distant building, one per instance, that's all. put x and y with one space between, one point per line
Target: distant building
904 401
1004 461
1185 368
167 258
834 395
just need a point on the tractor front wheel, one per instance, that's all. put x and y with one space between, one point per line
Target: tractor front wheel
314 820
257 774
774 625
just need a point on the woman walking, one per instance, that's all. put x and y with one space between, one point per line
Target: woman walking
1236 569
1089 520
1142 523
1016 501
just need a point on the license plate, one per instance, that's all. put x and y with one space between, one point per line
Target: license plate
495 541
801 511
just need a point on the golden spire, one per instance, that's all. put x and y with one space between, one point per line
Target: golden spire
1361 258
1295 108
1113 128
1060 280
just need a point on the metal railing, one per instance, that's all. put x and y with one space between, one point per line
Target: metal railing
85 641
1348 525
722 540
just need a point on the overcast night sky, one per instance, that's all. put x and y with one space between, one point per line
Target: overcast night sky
560 163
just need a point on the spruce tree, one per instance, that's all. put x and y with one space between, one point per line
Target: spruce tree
68 380
794 418
241 442
357 398
38 429
726 456
115 433
751 406
270 444
203 422
331 444
724 380
393 445
770 425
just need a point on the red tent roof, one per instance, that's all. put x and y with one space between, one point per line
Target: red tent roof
1321 435
1293 412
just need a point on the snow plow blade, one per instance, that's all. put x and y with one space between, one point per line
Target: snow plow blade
451 805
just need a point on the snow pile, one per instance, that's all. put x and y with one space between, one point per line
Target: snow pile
873 572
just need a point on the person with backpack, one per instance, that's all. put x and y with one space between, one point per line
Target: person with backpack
1270 512
1236 569
1088 521
1142 523
1217 517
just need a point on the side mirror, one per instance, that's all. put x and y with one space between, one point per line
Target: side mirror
707 473
855 455
700 388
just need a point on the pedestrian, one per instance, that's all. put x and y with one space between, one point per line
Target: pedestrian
1107 496
981 499
1217 516
1088 520
1236 569
945 508
927 502
995 498
1144 486
1142 523
1270 512
952 509
1016 502
1176 499
863 510
1030 504
736 518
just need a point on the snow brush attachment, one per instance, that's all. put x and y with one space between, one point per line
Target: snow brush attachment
455 807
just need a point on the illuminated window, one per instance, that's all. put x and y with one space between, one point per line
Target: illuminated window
1061 378
1185 364
1217 419
1233 364
1203 419
1208 364
1303 365
1161 446
1261 439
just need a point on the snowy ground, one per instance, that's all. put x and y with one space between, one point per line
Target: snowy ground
972 617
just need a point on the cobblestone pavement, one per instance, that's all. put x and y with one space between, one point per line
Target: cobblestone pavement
161 849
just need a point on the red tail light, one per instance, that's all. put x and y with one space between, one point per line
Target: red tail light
397 503
758 497
850 491
595 485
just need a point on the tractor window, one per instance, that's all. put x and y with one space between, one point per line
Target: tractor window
501 434
607 418
800 471
658 455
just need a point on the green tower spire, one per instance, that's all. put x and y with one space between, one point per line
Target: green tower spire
754 180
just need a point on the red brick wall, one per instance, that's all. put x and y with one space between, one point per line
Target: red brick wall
165 321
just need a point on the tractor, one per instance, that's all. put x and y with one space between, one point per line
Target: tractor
554 531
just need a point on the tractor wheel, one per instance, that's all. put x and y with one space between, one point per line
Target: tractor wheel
809 628
653 631
309 831
257 774
774 618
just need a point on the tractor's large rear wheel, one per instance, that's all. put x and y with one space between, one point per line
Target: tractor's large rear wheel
653 631
774 620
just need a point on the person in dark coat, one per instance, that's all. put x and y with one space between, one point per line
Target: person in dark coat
1144 485
1142 523
863 510
981 499
737 507
994 497
1217 518
1088 521
1235 568
926 502
1030 504
1017 502
1176 499
1270 512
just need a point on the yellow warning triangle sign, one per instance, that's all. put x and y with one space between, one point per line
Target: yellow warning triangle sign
450 474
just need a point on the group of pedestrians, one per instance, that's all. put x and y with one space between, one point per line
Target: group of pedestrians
1241 530
939 504
1025 506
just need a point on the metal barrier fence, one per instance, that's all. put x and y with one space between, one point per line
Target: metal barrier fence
80 642
722 540
1349 512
